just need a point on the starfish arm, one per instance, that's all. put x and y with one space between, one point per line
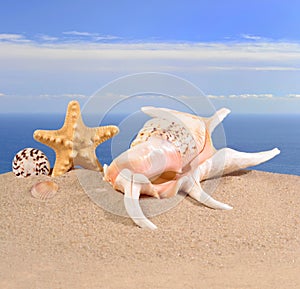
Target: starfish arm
61 146
87 159
63 162
73 115
46 137
52 138
104 133
86 141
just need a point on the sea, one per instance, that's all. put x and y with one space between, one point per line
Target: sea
248 133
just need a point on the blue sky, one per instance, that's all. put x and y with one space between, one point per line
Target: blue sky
243 54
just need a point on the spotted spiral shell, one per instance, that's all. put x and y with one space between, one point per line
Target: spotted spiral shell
30 162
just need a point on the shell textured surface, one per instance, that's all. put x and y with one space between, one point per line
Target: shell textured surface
183 130
30 162
44 190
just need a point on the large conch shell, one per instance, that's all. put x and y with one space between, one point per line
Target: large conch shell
174 152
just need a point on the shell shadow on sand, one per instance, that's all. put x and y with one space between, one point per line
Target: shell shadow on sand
102 194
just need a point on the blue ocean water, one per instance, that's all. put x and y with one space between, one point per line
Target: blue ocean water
248 133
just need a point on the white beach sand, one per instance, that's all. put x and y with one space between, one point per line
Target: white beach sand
70 242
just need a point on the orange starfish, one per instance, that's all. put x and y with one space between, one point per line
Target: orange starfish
75 143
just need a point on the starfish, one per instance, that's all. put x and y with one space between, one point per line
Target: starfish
75 143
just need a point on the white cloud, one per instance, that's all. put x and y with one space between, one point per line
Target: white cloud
260 56
80 66
183 97
63 95
277 68
267 95
13 38
48 96
106 37
216 56
211 96
242 96
44 37
74 95
294 95
253 95
2 94
78 33
254 68
251 37
93 36
267 55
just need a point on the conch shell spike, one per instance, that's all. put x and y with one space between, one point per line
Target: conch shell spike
132 185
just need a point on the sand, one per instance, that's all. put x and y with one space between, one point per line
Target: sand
71 242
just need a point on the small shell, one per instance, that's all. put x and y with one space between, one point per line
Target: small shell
30 162
44 190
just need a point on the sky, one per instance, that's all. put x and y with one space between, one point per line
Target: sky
244 55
